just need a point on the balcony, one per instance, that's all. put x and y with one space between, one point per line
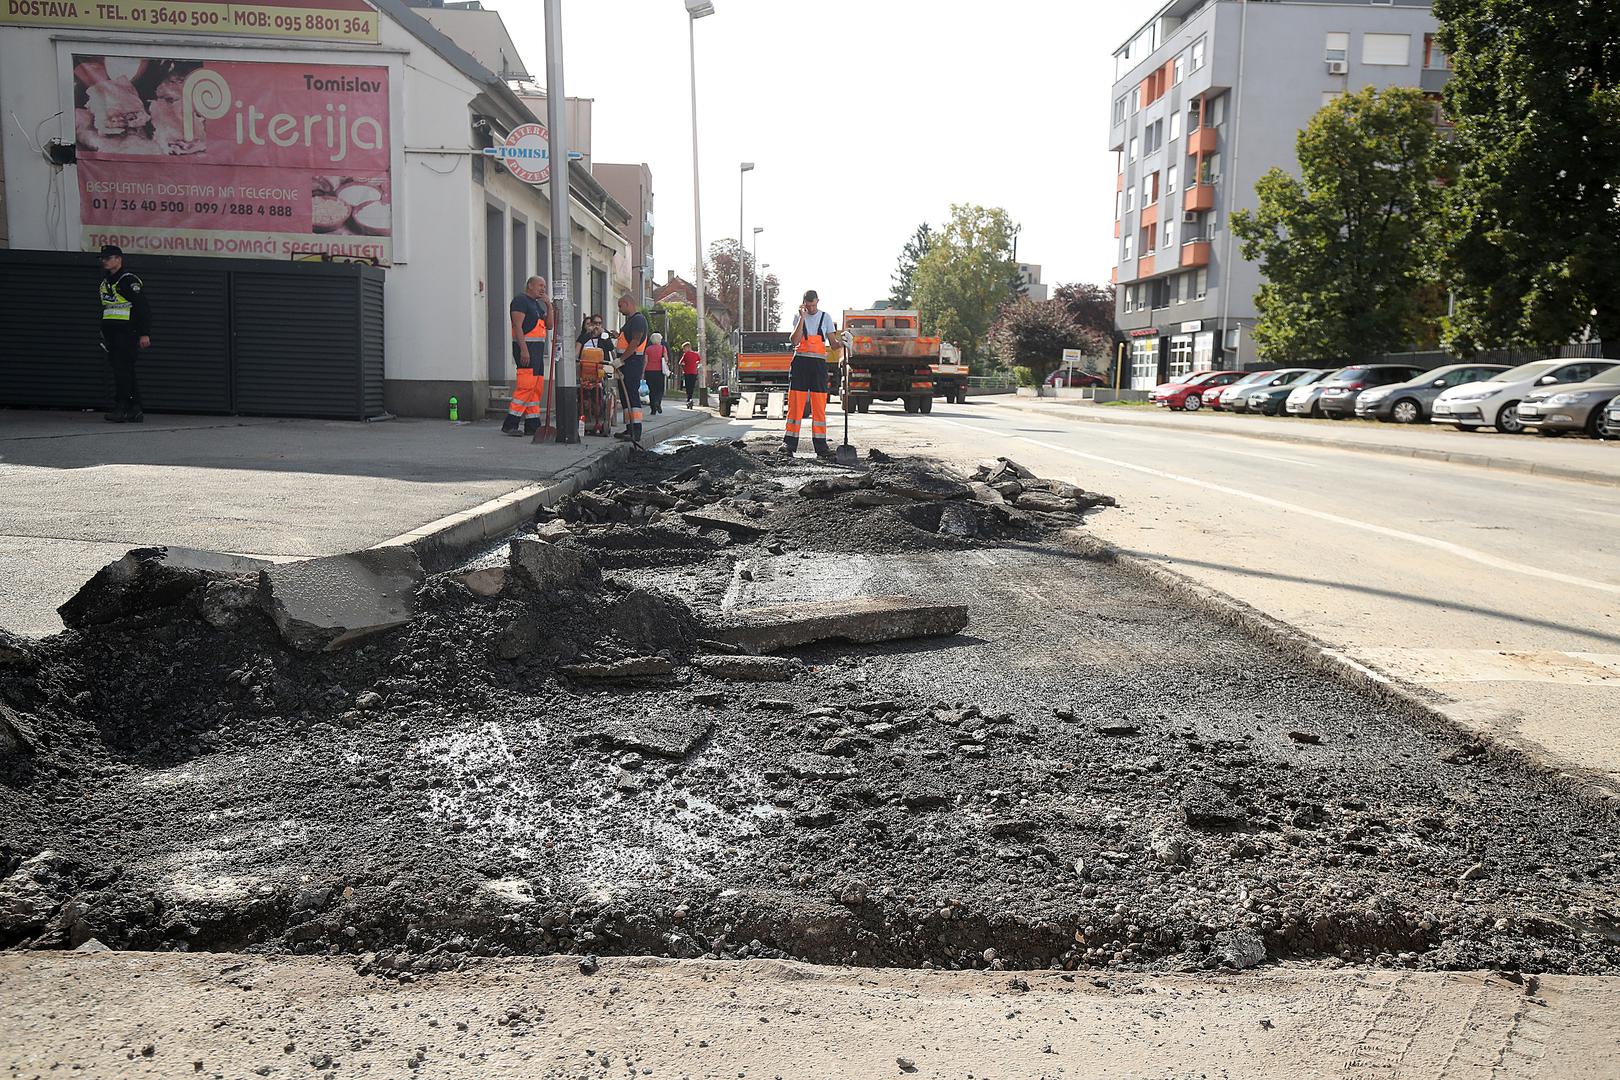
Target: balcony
1201 141
1199 197
1144 266
1195 254
1150 215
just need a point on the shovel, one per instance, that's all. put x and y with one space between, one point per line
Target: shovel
847 454
545 432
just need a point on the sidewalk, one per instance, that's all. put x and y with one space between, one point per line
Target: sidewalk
76 493
1566 458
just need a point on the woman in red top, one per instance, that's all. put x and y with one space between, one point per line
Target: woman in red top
689 371
657 365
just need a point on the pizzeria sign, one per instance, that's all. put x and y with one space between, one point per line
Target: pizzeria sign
526 153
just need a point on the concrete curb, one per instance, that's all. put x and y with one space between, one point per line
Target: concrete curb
1416 702
440 544
1482 461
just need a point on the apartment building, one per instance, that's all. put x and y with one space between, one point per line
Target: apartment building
632 186
1030 286
1208 95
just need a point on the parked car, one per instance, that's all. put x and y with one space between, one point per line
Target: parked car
1611 421
1409 402
1495 402
1582 406
1270 400
1339 394
1235 398
1303 400
1223 398
1074 377
1188 392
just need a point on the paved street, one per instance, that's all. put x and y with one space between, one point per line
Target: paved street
76 493
1497 592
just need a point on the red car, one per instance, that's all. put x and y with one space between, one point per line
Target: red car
1074 377
1189 391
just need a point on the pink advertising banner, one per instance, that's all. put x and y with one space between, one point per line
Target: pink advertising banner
276 161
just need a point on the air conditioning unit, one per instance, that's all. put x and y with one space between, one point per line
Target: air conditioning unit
1338 67
1189 217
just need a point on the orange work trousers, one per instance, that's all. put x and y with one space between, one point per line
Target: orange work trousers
527 394
796 402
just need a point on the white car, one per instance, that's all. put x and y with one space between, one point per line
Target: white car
1495 402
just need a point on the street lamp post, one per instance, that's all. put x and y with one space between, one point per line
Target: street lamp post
695 10
742 174
755 261
759 295
564 379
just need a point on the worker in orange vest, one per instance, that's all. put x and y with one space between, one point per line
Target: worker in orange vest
533 314
813 332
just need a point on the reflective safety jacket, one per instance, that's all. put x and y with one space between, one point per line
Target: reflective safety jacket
123 305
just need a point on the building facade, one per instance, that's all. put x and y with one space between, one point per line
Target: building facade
1029 282
225 141
1208 95
679 289
632 186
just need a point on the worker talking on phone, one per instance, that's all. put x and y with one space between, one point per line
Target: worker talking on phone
813 333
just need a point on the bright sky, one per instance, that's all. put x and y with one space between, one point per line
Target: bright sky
863 118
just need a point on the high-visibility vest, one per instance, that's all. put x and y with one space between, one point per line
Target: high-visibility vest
538 333
813 344
115 306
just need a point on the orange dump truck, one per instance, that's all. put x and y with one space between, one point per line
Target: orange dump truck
890 360
764 361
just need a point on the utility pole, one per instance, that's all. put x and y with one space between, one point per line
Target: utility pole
563 376
695 10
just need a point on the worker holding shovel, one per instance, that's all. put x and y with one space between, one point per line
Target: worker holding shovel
813 333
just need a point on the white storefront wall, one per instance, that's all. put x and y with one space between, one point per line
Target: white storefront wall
436 332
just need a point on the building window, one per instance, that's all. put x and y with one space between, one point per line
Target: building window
1204 351
1181 289
1386 50
1169 234
1128 249
1337 47
1119 203
1180 63
1201 285
1147 190
1169 180
1147 241
1215 112
1434 58
1175 126
1211 169
1130 198
1131 154
1181 355
1196 55
1119 111
1144 363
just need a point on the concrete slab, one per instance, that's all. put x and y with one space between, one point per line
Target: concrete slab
224 1015
331 602
869 619
148 578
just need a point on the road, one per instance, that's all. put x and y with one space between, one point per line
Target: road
1496 594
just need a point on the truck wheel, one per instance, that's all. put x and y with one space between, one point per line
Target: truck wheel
865 404
909 404
926 403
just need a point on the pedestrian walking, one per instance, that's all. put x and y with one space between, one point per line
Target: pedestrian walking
689 371
126 329
807 375
632 345
657 366
532 314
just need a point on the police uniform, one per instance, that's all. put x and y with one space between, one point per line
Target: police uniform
807 383
125 319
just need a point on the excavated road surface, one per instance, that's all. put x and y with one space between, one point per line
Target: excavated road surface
1090 776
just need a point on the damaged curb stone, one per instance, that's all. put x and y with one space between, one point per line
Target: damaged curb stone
486 582
863 621
146 579
330 602
749 668
548 567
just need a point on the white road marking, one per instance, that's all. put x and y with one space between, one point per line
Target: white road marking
1599 513
1458 550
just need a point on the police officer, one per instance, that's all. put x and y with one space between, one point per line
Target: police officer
126 329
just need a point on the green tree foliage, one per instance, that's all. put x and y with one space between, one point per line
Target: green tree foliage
683 328
1343 245
903 288
1032 334
965 277
1092 306
772 287
1532 225
720 275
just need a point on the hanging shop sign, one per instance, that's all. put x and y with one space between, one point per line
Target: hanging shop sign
240 159
308 20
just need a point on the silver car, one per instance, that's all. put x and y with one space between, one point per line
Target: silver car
1495 401
1580 406
1304 401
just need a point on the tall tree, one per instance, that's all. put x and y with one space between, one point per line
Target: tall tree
965 277
1032 334
903 288
683 329
1342 245
773 302
720 274
1532 230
